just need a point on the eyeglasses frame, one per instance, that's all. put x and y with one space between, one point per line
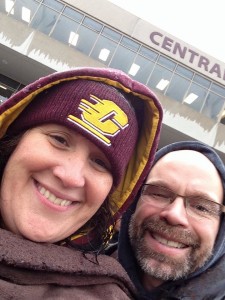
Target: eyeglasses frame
222 207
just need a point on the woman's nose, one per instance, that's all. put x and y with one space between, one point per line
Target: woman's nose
175 213
71 172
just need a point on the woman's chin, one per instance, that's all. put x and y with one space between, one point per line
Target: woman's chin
40 236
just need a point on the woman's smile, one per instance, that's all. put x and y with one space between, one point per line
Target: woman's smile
55 191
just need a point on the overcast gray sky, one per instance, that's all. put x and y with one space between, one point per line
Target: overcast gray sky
200 23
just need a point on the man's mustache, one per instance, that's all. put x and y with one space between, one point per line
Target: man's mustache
170 232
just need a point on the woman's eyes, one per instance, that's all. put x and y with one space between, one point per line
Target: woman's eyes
59 139
62 141
101 164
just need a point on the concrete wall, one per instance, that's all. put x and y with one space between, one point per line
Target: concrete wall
189 122
26 47
163 42
27 54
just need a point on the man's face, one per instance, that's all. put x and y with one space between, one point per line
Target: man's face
168 242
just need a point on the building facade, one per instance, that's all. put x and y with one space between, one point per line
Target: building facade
38 37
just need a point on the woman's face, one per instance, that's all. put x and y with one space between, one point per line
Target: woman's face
53 183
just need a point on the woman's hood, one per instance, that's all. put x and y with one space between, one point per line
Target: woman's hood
146 105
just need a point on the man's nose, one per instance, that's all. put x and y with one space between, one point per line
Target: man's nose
71 172
175 213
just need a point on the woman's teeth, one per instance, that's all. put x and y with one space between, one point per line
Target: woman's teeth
52 198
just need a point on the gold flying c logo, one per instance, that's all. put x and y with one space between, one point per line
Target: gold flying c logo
103 119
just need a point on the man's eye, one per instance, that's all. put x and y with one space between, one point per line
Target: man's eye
202 207
160 195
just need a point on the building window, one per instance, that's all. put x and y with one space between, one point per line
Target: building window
45 19
213 106
65 30
103 50
159 78
184 72
195 97
122 59
145 69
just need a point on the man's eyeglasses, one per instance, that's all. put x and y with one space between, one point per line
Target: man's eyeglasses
196 206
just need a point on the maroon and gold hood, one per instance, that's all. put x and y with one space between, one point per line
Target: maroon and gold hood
147 109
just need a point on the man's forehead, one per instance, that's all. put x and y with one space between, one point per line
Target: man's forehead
188 167
184 156
182 159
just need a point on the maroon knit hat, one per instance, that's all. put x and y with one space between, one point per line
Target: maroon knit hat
96 110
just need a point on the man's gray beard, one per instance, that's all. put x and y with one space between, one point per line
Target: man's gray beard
167 268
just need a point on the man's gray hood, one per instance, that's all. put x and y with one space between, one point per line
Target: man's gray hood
128 260
219 248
